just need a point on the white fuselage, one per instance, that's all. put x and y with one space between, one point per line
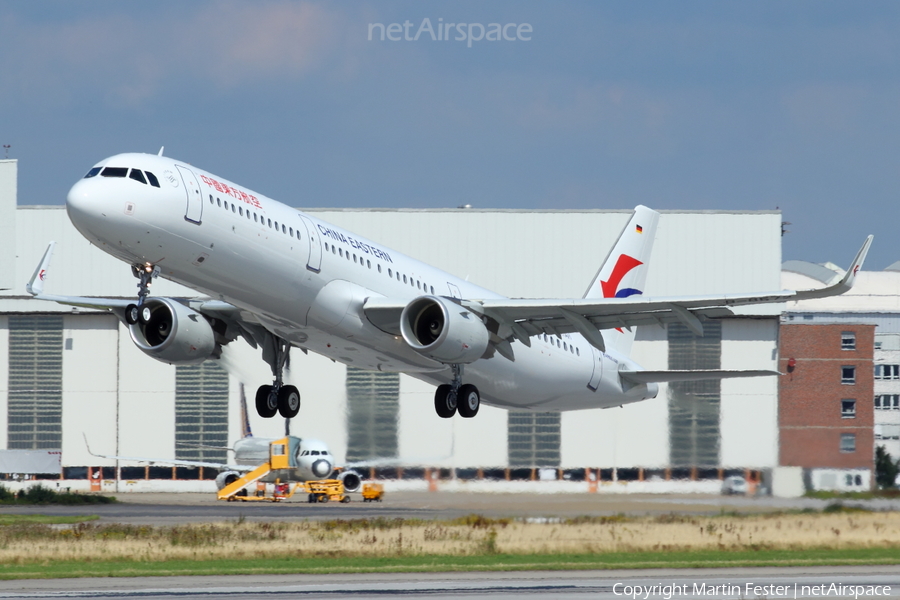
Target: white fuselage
307 280
313 459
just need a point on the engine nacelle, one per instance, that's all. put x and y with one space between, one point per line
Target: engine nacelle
226 478
173 333
443 330
351 480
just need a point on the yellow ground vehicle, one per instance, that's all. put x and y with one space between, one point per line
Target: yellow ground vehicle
282 457
325 490
372 492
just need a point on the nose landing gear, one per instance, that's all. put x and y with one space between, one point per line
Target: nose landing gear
457 397
146 273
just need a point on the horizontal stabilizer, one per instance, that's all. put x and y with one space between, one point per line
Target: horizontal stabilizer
668 376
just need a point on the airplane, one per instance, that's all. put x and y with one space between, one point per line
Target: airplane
313 460
280 278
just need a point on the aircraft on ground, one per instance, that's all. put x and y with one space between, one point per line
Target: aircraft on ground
280 278
312 458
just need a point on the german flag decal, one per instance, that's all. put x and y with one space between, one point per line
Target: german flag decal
639 229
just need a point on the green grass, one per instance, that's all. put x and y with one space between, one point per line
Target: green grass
44 519
39 494
824 495
484 562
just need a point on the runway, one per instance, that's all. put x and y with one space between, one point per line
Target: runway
794 582
173 509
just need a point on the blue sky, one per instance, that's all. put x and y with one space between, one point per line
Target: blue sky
700 105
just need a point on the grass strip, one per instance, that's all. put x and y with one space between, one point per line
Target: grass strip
45 519
486 562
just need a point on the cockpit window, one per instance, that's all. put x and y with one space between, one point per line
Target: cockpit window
114 172
137 176
93 172
324 452
152 179
314 452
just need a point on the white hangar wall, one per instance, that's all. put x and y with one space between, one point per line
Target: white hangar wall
123 401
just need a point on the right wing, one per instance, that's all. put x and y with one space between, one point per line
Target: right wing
238 321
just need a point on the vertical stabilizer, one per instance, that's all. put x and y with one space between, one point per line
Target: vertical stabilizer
245 416
624 272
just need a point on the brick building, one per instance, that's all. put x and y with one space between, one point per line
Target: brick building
825 412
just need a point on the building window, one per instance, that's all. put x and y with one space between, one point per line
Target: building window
887 371
848 409
201 412
887 432
533 439
887 402
848 340
848 442
373 403
34 409
848 375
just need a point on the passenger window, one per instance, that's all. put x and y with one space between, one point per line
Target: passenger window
291 233
152 178
218 202
93 172
276 225
114 172
379 268
137 176
565 346
341 252
354 258
241 210
211 201
256 217
404 279
225 204
270 223
233 209
283 228
419 284
432 289
369 263
390 273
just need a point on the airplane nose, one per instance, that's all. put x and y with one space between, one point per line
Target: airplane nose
80 202
321 468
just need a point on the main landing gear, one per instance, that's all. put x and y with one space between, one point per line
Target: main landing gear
455 396
277 398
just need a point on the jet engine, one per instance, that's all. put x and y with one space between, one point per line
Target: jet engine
351 480
443 330
226 478
172 333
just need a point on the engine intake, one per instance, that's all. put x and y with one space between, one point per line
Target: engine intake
443 330
173 333
351 480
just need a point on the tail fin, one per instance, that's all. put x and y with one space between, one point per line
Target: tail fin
624 272
245 417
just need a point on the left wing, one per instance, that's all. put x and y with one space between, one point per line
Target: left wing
173 462
523 318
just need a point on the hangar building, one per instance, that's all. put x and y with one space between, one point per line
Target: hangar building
67 374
